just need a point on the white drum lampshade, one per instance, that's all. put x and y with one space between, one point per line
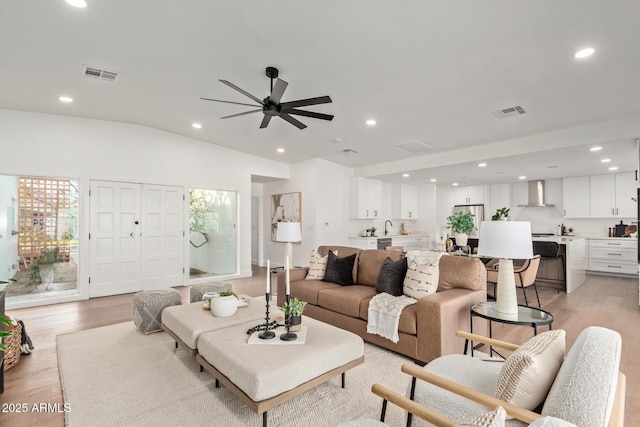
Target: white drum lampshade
288 232
506 240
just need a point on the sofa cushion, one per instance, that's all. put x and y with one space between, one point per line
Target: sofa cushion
345 300
307 290
408 319
391 276
585 387
462 272
422 273
340 270
527 374
369 263
317 266
495 418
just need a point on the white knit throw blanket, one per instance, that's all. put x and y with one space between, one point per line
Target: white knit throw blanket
384 314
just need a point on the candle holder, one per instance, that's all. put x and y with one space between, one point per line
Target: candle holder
288 336
267 334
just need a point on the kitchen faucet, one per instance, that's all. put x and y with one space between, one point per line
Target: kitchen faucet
385 226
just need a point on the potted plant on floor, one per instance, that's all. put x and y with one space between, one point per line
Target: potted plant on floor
225 304
293 309
461 224
42 267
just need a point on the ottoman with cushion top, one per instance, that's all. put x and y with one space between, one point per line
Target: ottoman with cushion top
249 371
187 322
197 291
148 307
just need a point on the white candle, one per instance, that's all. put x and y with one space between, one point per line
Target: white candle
268 278
288 289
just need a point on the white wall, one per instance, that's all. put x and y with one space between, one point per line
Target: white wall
86 149
8 242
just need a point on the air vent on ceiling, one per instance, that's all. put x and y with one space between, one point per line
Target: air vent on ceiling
97 73
415 146
510 112
349 151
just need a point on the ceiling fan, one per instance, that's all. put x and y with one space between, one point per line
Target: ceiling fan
271 105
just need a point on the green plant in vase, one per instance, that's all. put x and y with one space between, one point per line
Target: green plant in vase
461 224
42 267
4 334
293 309
373 231
501 214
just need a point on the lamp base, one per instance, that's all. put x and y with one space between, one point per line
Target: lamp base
506 298
288 254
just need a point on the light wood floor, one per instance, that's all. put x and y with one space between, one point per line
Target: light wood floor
605 301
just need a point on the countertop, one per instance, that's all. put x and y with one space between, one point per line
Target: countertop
389 236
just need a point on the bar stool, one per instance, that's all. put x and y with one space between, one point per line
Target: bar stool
550 251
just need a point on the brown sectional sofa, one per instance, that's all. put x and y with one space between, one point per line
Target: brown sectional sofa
427 329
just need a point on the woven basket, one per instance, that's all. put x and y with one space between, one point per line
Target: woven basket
12 353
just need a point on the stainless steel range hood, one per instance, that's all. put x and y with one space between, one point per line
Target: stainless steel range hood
536 195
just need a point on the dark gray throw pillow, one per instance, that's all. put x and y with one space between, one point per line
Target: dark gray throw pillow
340 270
391 276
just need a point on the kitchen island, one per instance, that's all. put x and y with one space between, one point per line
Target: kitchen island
575 258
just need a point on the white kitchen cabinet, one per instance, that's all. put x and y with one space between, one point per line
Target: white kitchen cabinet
404 201
519 193
409 243
499 197
364 243
468 195
613 256
365 198
575 197
610 195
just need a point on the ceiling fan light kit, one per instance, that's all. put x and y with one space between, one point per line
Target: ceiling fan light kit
271 105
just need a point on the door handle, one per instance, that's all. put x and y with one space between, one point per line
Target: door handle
132 234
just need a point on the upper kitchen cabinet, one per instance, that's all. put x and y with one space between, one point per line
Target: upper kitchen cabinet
365 198
575 197
499 197
468 195
519 193
404 199
611 195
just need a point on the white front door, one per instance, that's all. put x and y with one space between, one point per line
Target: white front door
136 237
162 236
114 238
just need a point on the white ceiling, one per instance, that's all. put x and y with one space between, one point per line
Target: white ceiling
431 71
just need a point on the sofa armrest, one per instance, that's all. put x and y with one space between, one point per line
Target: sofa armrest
440 316
294 274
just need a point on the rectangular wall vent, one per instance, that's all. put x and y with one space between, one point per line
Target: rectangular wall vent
415 146
97 73
510 112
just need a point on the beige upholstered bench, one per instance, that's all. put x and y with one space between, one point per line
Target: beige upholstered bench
249 371
187 322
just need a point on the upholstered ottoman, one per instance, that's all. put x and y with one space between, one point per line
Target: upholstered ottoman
148 306
185 323
196 291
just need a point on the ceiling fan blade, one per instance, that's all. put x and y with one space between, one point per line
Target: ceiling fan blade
297 123
310 114
278 91
242 91
241 114
305 102
230 102
265 121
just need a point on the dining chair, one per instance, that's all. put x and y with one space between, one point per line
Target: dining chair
525 275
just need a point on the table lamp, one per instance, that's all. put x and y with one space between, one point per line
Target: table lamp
288 232
506 240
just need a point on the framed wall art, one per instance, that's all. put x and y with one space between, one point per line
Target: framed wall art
285 207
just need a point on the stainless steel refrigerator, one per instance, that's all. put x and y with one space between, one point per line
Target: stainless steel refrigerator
477 211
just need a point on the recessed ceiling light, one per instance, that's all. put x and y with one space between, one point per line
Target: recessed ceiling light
595 148
613 168
583 53
66 99
405 175
196 125
280 150
77 3
432 180
522 177
371 122
605 160
481 165
455 184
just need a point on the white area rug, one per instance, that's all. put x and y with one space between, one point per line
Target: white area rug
116 376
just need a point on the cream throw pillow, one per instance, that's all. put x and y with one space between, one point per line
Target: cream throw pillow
317 265
527 375
494 418
422 273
